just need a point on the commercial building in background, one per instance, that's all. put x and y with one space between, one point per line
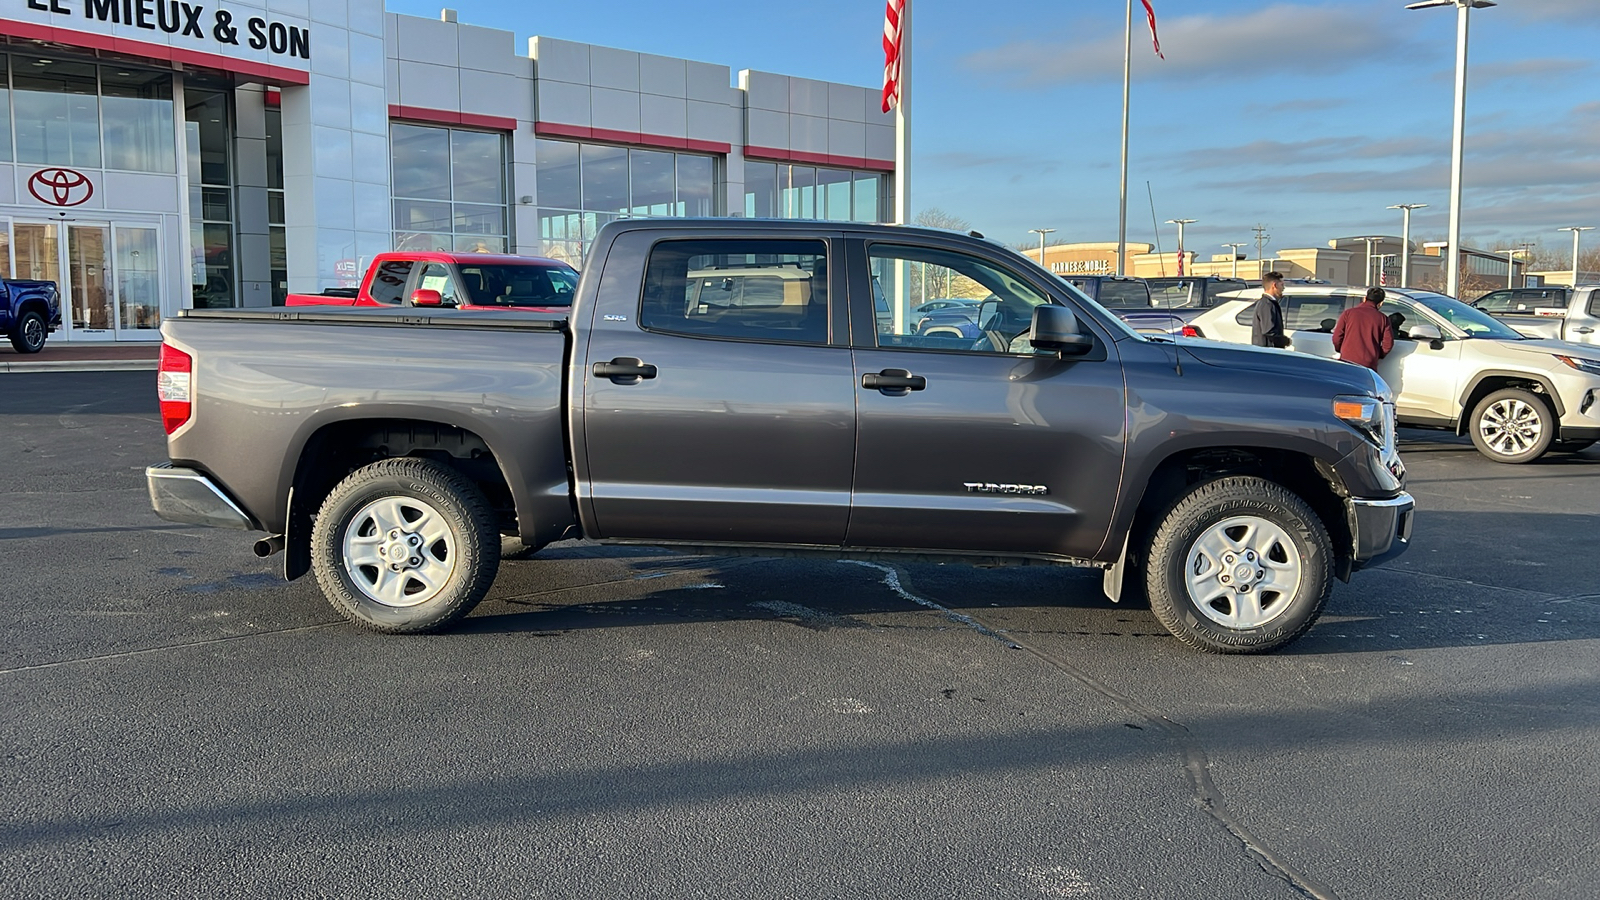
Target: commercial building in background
157 157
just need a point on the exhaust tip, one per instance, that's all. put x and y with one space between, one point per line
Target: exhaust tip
268 546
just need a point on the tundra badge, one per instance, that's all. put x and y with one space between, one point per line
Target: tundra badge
989 487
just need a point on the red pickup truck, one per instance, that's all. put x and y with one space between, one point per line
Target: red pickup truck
460 280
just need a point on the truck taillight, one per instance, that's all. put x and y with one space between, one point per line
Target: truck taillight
173 387
1191 331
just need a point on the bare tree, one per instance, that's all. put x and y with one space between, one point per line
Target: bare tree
934 217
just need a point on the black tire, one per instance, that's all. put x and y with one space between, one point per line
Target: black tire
441 575
1287 538
1512 426
1570 446
29 332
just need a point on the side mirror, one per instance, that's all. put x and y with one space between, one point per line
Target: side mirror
426 297
1056 328
1424 331
988 313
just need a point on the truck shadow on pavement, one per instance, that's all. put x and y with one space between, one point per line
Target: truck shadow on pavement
1457 587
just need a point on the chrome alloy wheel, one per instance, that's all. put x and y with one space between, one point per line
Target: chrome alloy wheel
399 551
1510 426
33 331
1243 572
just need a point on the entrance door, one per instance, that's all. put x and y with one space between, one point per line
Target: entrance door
92 301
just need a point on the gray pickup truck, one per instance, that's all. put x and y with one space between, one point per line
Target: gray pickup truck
1557 313
757 387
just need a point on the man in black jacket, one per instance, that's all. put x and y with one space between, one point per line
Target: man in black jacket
1266 330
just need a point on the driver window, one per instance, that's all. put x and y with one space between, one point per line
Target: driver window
995 314
1401 318
435 277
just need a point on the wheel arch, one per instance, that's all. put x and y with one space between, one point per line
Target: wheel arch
1309 476
331 449
1490 380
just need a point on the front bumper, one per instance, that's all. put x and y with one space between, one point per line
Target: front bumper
1381 529
184 495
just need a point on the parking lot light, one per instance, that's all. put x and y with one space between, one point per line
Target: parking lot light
1463 8
1577 232
1405 241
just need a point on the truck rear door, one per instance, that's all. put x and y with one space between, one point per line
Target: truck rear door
718 402
977 444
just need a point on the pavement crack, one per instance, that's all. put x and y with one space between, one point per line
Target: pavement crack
1196 765
106 657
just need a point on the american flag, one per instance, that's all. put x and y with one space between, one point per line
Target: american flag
1150 12
891 53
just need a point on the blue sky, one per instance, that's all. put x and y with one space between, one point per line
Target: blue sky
1310 117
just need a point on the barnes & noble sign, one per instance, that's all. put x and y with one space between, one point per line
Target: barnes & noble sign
192 20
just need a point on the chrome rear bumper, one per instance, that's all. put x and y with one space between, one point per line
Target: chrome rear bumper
1381 528
184 495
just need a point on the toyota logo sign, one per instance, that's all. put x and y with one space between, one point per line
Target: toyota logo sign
61 187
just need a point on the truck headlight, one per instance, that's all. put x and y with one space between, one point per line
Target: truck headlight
1365 414
1587 366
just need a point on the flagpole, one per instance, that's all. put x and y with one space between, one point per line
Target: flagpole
1122 204
902 124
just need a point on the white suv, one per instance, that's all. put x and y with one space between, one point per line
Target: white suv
1452 367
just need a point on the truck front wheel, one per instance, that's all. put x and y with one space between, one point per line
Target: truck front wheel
1239 565
405 546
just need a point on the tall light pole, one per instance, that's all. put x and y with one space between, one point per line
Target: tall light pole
1463 8
1369 241
1127 82
1577 232
1233 251
1405 241
1041 232
1180 223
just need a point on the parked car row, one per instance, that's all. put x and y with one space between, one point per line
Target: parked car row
1562 313
1453 366
455 280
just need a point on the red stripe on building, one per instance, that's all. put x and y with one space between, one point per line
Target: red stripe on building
636 138
819 159
446 117
262 72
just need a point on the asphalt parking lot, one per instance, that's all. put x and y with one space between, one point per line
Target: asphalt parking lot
176 721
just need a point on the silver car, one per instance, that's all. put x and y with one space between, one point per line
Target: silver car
1452 367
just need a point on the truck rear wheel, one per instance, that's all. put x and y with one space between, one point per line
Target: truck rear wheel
29 333
1239 565
405 546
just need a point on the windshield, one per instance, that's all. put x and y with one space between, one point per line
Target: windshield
1474 322
519 285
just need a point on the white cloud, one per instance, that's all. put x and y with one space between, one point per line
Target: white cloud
1579 12
1279 39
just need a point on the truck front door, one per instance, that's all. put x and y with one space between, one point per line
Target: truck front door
973 441
717 404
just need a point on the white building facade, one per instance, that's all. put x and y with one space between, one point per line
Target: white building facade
158 155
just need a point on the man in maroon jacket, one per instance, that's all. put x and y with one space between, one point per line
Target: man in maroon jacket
1363 335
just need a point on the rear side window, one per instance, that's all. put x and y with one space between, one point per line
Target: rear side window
1594 303
1124 295
1313 313
741 289
1496 302
389 281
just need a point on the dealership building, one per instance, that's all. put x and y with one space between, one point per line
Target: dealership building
158 155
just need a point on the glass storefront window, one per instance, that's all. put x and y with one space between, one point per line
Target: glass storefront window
800 193
696 182
761 190
477 167
5 117
207 126
57 112
449 189
136 109
277 234
605 178
138 277
557 165
865 205
833 194
584 186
